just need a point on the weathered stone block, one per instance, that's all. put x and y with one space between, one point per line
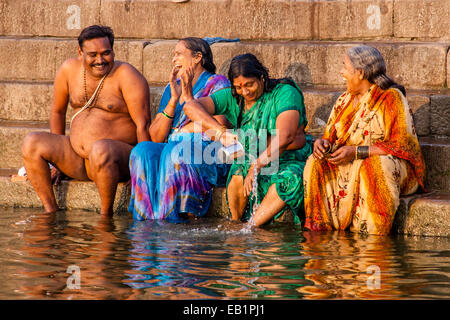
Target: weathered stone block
84 195
420 106
155 97
62 18
33 59
361 19
314 63
429 216
25 101
318 105
245 19
424 19
401 216
448 69
440 115
436 153
11 138
31 101
39 59
69 194
130 52
409 63
219 206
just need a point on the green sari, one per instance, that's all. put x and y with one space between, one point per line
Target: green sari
257 123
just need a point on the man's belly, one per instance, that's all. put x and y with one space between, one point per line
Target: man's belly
94 124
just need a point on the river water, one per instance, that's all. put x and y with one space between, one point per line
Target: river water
80 255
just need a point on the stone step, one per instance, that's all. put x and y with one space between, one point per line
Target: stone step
308 62
31 101
245 19
436 151
424 215
316 63
30 59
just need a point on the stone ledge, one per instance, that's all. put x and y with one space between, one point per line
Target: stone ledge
423 215
31 101
315 63
302 19
310 63
38 59
422 19
436 151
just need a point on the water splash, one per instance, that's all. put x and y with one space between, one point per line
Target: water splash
254 198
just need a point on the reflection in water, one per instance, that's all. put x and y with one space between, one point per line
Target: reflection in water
209 259
52 243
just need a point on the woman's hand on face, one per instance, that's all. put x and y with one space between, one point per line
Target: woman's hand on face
343 155
321 147
186 83
175 88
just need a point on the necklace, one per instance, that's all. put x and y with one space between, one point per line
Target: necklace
98 91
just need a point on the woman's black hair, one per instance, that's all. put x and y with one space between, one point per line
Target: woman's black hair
247 65
96 31
201 46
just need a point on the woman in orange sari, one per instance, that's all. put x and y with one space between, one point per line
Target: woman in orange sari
369 154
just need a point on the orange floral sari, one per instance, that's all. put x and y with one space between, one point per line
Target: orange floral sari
364 194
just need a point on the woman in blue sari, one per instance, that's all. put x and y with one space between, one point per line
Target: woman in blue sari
170 178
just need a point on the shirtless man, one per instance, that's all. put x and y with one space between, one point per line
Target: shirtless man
101 136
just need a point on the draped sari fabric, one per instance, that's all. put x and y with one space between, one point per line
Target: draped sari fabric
172 177
364 194
258 123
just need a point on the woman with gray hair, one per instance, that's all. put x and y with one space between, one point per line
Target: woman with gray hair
369 154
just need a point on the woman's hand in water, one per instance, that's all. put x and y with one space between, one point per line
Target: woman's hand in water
248 181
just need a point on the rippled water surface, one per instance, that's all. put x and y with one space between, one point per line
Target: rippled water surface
209 259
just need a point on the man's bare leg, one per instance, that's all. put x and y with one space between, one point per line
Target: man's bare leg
38 149
107 166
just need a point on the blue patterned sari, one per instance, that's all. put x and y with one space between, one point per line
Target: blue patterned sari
175 177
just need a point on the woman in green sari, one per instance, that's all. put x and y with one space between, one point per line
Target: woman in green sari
269 115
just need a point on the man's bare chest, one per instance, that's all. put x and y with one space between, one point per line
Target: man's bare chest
108 98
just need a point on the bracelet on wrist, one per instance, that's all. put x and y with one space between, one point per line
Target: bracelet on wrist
168 116
362 152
